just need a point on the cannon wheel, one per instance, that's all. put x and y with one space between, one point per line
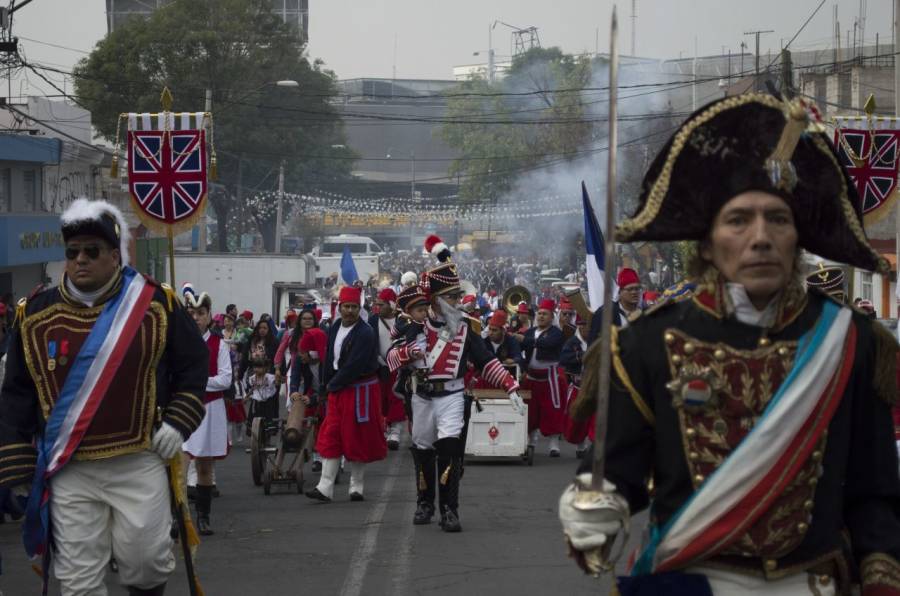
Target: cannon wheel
267 482
257 450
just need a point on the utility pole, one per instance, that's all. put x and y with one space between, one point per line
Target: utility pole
743 49
490 72
757 34
279 207
201 240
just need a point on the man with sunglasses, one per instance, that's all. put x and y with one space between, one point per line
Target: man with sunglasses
105 380
627 306
452 340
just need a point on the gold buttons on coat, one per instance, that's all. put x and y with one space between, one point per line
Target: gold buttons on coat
719 354
676 359
783 351
689 348
699 478
669 338
771 565
691 433
764 342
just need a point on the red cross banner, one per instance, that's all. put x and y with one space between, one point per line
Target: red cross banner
868 148
167 172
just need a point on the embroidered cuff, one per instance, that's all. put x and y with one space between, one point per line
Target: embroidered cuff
185 412
17 463
880 575
496 374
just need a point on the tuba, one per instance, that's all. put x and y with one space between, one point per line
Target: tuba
513 296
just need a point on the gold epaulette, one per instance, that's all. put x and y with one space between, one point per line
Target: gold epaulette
474 324
171 296
20 311
885 378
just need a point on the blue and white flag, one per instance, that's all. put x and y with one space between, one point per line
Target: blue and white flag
593 247
348 267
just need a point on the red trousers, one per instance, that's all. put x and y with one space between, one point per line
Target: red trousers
353 425
576 431
391 404
547 407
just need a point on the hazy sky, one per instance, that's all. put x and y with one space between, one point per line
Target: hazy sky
357 37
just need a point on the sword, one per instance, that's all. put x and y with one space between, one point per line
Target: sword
599 463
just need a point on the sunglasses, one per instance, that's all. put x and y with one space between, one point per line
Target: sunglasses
92 251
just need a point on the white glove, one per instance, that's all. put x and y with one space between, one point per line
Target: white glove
167 441
591 520
517 404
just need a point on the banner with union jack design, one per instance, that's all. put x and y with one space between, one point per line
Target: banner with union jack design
167 172
868 149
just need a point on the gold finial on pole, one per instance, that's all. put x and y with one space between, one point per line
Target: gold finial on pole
166 99
869 106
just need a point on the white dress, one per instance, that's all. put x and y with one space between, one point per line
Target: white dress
211 437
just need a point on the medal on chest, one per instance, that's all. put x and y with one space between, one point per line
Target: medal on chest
51 355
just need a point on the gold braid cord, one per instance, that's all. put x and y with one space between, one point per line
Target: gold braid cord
630 227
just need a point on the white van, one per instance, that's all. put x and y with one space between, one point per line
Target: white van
334 246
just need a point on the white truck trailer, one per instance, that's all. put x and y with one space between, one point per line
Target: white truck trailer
263 283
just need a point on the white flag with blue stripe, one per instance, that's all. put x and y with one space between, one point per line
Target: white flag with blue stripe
593 246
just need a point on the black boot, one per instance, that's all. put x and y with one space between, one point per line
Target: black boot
425 481
203 504
154 591
449 468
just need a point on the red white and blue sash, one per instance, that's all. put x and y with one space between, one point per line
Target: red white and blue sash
768 459
83 391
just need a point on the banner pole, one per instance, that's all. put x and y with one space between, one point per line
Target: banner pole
171 238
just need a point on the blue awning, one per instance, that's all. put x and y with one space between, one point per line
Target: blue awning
30 148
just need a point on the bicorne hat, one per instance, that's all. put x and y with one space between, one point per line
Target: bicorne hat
753 142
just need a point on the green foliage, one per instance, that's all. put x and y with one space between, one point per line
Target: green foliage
519 129
237 49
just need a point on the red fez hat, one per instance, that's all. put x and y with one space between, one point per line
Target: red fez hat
388 295
247 315
350 294
291 315
492 293
651 297
468 299
498 318
547 304
564 304
523 309
627 277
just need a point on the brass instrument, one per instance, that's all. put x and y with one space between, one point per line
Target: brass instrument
513 296
576 299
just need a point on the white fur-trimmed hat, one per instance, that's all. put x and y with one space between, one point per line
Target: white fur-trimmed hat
97 218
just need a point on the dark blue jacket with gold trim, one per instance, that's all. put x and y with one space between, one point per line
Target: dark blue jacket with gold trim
843 505
165 369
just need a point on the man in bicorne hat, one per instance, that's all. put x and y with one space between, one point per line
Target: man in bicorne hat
541 348
451 341
105 380
761 410
353 425
828 279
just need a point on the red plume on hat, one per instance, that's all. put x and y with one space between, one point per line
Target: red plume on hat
435 246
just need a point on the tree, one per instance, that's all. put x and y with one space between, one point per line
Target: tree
237 49
506 128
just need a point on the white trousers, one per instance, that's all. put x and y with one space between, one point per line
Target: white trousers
437 418
727 583
111 507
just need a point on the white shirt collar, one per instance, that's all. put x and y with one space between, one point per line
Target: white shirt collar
745 312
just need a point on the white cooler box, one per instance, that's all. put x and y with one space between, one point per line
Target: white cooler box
498 431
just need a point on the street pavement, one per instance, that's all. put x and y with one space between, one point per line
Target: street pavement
285 544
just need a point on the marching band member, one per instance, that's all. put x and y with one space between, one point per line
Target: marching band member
210 441
541 348
501 344
438 402
391 404
523 321
627 306
566 317
353 425
99 319
579 433
761 410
